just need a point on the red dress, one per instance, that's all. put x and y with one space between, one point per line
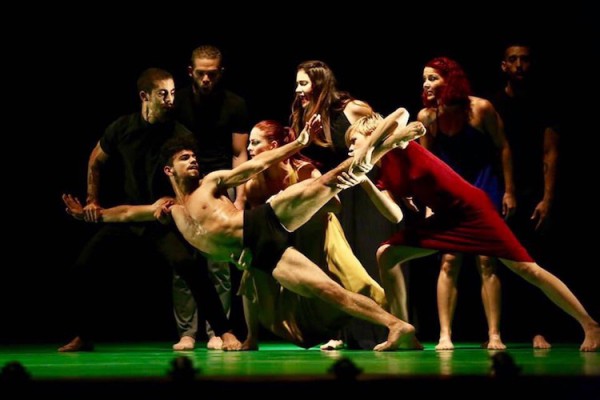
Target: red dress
464 218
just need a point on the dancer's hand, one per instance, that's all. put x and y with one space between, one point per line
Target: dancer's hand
312 128
347 179
362 160
409 204
74 207
162 209
540 214
92 212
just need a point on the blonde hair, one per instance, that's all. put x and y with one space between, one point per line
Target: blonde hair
364 125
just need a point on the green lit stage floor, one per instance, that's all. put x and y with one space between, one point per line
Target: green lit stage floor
154 360
560 369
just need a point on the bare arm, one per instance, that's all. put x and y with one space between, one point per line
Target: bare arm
159 210
122 213
254 166
240 155
550 169
550 163
126 213
425 117
384 201
495 126
357 109
97 158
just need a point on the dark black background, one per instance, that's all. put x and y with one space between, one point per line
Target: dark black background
78 74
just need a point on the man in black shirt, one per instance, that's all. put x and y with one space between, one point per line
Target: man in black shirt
532 133
135 141
218 118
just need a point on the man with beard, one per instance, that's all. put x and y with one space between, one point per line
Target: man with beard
261 238
532 125
218 118
134 141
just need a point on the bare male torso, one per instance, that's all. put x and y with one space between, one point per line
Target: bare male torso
210 222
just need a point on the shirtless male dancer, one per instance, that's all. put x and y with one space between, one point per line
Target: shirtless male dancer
209 221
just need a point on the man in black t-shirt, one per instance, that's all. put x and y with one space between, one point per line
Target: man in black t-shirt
219 121
532 132
135 141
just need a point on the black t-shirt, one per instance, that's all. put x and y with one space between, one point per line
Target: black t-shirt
525 120
213 120
136 145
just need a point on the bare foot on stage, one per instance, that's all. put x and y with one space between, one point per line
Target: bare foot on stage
401 337
185 343
77 344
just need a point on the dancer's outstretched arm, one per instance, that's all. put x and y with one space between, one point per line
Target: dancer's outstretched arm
159 210
256 165
383 200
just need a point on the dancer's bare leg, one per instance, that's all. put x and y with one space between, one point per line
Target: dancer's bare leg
447 293
391 133
298 203
298 274
394 286
562 296
295 205
389 259
259 291
491 298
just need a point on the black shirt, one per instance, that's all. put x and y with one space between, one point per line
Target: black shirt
137 144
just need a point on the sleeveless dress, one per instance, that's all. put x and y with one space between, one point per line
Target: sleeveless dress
472 154
364 226
464 219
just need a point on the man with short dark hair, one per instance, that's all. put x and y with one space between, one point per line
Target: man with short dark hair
218 118
135 141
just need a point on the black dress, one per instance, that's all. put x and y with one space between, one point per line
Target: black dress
363 224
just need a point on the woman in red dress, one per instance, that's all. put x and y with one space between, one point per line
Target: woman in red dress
463 220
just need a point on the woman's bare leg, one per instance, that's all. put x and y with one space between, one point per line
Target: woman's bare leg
491 296
562 296
447 294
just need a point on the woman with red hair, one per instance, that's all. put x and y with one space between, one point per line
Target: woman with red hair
467 134
300 320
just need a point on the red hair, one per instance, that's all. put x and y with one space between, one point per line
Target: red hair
276 132
457 88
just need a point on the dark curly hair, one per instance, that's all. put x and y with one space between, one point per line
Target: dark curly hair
174 146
